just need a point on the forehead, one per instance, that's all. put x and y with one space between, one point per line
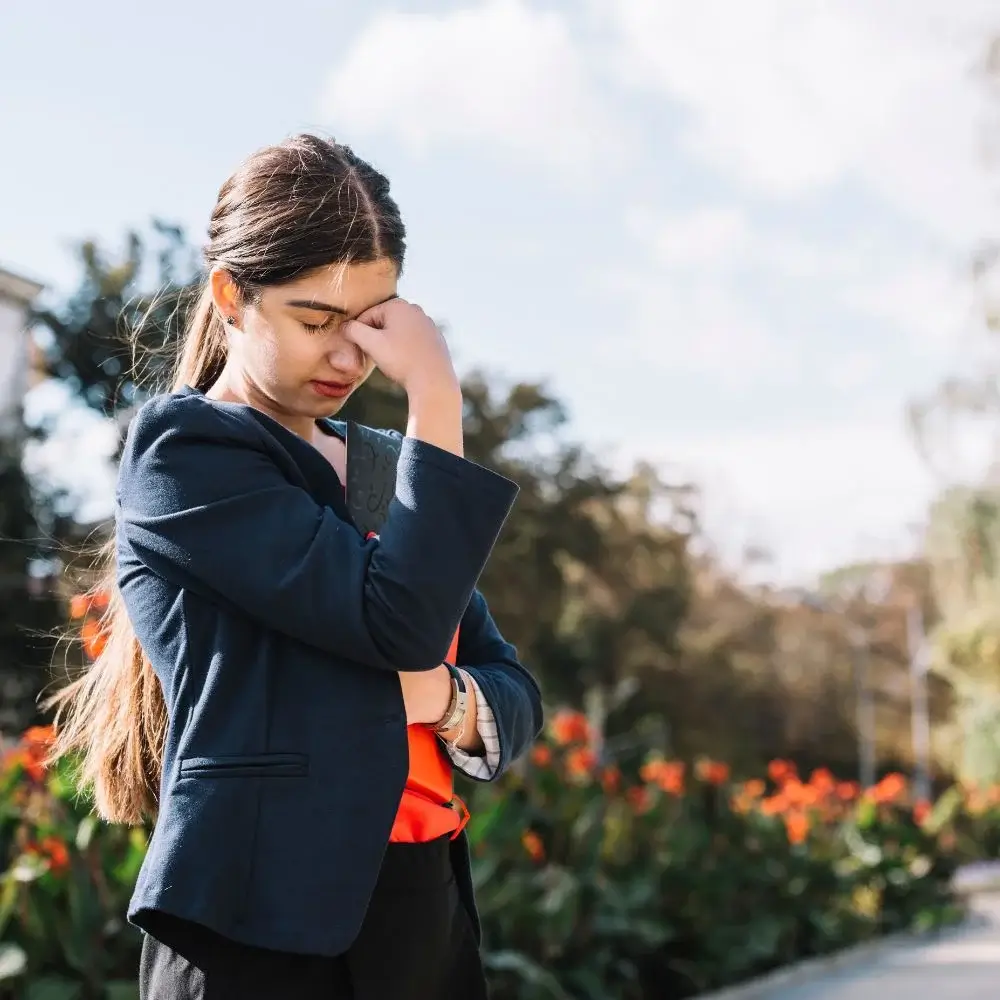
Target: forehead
350 287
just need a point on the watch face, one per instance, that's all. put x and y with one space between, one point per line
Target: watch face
372 456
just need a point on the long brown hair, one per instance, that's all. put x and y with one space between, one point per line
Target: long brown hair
288 209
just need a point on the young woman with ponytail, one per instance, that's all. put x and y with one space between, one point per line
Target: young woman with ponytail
285 695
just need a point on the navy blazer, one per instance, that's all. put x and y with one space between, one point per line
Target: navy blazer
277 632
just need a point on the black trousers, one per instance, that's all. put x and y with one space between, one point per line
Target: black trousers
416 943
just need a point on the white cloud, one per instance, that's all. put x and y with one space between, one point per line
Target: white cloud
852 371
924 298
701 327
871 100
699 288
789 98
682 304
708 236
497 76
819 494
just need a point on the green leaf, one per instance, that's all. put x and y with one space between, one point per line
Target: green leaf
13 961
127 871
562 891
8 900
944 811
866 814
85 832
483 822
28 868
53 988
528 971
121 989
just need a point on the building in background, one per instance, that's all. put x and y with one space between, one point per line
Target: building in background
16 297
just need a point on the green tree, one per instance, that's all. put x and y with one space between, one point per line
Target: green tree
587 579
963 533
29 609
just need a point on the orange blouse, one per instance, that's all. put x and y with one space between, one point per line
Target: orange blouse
429 807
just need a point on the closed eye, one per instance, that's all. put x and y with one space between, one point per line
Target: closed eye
328 324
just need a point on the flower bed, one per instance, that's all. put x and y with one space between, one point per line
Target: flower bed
593 883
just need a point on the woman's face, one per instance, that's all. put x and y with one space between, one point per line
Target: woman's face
287 352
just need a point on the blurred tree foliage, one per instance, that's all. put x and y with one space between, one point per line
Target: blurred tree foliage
962 542
29 612
604 582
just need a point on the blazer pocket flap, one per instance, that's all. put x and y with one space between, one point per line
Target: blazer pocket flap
263 765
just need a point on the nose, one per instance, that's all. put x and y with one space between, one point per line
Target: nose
347 359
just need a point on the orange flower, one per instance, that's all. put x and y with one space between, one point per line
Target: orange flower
541 755
712 772
975 802
19 757
57 852
779 771
93 637
581 762
570 727
921 810
796 827
798 794
533 845
774 806
848 791
890 789
611 780
638 798
79 605
823 781
668 774
32 751
748 796
38 737
54 851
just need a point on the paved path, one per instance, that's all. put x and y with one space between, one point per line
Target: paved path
963 965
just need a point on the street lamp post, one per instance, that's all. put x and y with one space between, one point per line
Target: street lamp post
864 705
920 725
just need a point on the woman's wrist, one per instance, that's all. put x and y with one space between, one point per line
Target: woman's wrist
455 709
465 734
436 415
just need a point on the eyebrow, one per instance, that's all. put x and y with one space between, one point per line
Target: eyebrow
318 306
326 307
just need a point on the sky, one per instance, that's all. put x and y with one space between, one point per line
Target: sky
734 237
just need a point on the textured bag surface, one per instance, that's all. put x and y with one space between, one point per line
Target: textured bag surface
372 456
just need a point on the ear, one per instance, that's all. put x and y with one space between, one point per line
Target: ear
225 295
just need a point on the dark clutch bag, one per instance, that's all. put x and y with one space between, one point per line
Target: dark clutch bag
372 457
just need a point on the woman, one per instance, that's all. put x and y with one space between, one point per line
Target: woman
288 694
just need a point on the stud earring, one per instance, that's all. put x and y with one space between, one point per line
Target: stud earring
231 320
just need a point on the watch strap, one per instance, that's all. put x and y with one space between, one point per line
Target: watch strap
459 701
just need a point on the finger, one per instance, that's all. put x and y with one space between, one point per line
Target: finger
368 338
377 315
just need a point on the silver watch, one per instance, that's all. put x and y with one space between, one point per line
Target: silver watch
459 702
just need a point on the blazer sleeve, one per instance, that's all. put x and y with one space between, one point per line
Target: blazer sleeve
510 690
204 503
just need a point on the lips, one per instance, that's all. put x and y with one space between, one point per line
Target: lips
333 390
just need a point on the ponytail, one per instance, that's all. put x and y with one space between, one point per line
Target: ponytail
202 354
112 718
